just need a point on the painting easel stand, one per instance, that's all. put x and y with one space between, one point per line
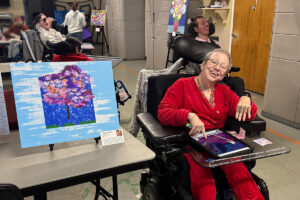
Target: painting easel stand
103 39
170 45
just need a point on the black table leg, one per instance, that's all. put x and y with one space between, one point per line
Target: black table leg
115 187
100 191
40 196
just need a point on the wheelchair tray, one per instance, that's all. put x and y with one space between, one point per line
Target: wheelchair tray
259 152
219 144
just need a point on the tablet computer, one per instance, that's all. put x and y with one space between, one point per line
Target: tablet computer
220 144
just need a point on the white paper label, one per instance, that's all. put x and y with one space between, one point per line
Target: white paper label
262 141
112 137
4 128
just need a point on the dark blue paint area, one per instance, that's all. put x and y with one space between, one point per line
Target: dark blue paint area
57 115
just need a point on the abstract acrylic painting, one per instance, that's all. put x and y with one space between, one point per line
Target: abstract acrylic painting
67 98
98 17
64 101
177 17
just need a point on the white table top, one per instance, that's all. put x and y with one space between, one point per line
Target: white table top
36 166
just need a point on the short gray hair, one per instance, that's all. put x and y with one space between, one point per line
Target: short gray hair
209 55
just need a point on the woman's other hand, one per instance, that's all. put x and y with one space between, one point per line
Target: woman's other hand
197 125
243 108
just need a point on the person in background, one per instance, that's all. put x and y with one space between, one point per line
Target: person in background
69 51
75 21
199 29
46 32
15 30
49 21
206 104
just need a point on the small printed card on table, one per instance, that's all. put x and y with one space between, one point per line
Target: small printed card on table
262 141
4 128
112 137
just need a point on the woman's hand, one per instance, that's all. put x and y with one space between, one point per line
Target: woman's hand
197 125
243 108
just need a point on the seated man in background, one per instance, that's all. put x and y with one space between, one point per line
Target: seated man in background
45 31
199 30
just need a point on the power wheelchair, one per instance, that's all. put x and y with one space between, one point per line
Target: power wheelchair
162 182
168 177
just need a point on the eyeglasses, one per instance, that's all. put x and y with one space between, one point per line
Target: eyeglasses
202 23
215 63
44 19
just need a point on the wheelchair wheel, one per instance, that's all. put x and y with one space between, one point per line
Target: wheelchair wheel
151 192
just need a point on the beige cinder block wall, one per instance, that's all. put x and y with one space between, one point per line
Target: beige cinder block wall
156 21
282 96
126 28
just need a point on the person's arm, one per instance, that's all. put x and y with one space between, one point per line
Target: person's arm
83 22
66 22
243 108
170 112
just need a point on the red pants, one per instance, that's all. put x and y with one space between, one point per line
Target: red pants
203 183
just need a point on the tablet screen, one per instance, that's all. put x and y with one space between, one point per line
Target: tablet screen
221 144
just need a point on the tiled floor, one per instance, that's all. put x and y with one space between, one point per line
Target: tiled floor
281 173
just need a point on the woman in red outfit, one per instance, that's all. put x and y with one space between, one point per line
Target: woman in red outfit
205 103
69 51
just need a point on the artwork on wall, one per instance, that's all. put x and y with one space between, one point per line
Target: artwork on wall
64 101
177 17
98 17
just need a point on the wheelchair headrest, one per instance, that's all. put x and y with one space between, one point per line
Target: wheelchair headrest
212 29
54 24
191 49
60 48
157 87
67 46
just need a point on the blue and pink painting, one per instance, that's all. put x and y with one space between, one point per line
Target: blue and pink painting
67 98
64 101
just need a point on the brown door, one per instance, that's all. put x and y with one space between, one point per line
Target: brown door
251 37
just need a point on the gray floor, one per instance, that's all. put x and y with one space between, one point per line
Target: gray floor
281 173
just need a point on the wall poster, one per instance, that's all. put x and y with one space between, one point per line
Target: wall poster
177 17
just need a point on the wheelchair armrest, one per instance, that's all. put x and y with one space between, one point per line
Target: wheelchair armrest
159 134
253 127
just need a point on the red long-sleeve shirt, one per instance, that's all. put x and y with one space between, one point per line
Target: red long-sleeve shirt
184 96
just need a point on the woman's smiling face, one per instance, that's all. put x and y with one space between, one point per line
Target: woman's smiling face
216 67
